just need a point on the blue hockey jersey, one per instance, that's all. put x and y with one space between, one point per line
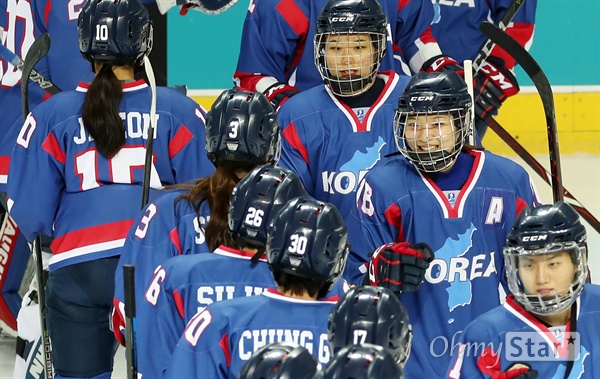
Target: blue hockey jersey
20 30
62 187
59 20
278 39
220 339
466 228
183 286
509 334
167 228
456 26
332 146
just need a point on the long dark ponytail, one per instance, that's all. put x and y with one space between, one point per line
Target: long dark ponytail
101 112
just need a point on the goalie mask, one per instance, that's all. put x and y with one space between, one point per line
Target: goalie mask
115 31
371 315
432 120
307 239
545 257
350 44
257 198
241 127
280 360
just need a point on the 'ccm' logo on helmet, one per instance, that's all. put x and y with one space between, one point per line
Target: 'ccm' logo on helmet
534 238
348 18
421 98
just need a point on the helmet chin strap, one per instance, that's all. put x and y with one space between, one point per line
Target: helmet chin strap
350 87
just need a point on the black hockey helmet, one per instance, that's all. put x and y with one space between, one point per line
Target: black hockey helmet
280 360
364 361
257 198
371 315
241 127
546 230
432 95
350 17
307 238
118 31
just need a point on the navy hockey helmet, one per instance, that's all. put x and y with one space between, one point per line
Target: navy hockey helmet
280 360
546 231
429 101
241 127
117 31
371 315
364 361
307 238
345 18
257 198
352 16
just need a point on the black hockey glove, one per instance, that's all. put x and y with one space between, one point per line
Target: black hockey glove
442 62
493 84
523 371
279 93
400 267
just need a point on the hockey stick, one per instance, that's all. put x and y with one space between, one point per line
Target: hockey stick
149 146
541 171
486 50
39 48
129 270
35 76
129 285
534 71
37 51
468 66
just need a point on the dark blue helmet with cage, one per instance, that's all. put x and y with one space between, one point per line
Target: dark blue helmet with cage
366 361
346 17
371 315
430 100
546 231
241 128
280 360
307 239
257 198
118 31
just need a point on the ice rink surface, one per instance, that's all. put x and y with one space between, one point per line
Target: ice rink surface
581 176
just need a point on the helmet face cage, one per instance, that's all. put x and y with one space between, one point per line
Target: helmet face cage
241 127
371 315
561 298
350 43
431 140
535 248
307 238
349 61
433 119
259 196
115 31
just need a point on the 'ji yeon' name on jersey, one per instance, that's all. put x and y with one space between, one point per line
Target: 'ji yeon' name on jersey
136 126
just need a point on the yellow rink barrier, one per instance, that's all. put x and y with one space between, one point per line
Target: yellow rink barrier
577 118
